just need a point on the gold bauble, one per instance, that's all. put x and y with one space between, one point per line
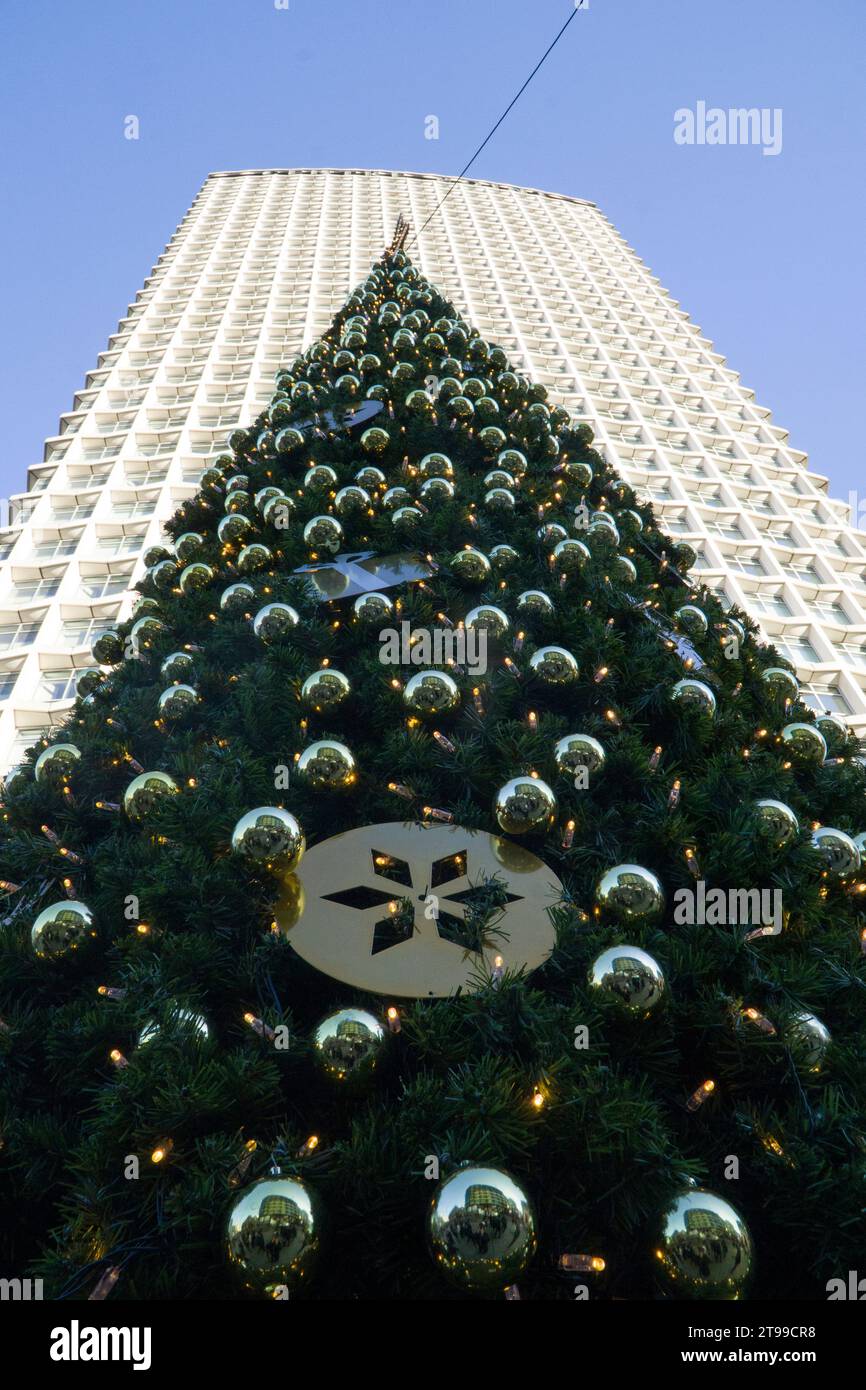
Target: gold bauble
254 557
177 666
274 621
838 850
325 689
780 681
481 1229
502 557
327 766
554 666
56 762
320 477
471 565
704 1249
524 806
351 500
514 461
373 608
186 546
146 791
431 692
396 497
692 620
535 603
805 743
235 598
570 555
348 1046
269 837
577 751
500 499
776 820
195 576
323 533
273 1235
435 490
694 695
61 929
375 440
810 1038
177 701
629 978
231 528
407 518
630 893
487 617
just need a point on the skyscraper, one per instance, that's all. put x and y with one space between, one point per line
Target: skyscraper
255 271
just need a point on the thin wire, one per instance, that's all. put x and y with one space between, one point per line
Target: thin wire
493 131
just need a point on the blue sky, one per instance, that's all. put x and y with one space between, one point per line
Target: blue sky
765 252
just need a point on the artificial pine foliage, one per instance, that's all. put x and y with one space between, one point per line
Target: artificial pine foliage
603 1116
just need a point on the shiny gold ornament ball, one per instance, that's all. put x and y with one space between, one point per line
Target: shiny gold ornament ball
56 762
177 701
273 1235
704 1249
481 1229
373 608
692 620
570 556
630 893
177 666
348 1046
327 766
838 850
577 751
323 533
62 929
145 792
695 696
805 743
269 837
471 565
320 477
629 978
325 689
488 618
810 1037
196 576
535 603
431 693
776 821
375 440
351 501
254 557
235 598
780 681
434 490
524 806
503 557
500 499
624 569
274 621
554 666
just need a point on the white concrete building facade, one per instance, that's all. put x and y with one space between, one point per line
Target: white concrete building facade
256 270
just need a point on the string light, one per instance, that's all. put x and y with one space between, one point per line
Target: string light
118 1059
581 1264
752 1015
674 795
697 1098
162 1151
436 813
393 1017
259 1026
309 1146
104 1285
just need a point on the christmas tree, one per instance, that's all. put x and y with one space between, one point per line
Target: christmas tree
433 892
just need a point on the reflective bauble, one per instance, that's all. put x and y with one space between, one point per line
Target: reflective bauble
703 1249
274 621
323 533
237 598
487 617
348 1046
62 929
570 555
351 500
692 620
327 766
630 893
269 837
810 1039
554 666
146 791
196 576
781 682
502 557
694 695
320 477
273 1235
373 608
838 850
628 977
107 649
805 743
375 440
56 762
177 701
88 679
177 666
481 1229
535 603
325 689
577 751
525 805
431 693
470 565
254 557
776 821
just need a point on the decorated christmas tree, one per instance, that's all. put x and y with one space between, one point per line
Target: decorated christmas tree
433 892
